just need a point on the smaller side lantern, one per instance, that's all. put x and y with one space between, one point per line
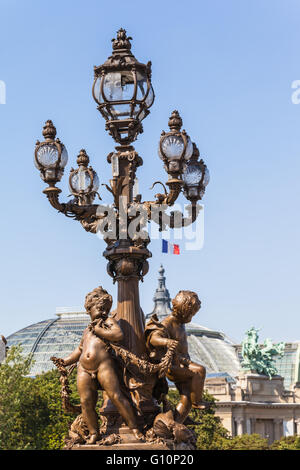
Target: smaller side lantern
175 146
84 181
50 156
195 177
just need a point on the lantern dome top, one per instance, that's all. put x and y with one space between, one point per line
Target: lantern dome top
122 57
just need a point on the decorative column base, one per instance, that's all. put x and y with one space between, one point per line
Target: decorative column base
137 446
112 422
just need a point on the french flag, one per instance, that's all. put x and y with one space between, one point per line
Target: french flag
170 248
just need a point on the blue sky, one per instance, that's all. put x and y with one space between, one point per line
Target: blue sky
227 66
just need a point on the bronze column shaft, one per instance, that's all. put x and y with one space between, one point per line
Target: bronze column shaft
130 315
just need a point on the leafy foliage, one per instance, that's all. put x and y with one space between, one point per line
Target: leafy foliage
287 443
245 442
31 416
14 389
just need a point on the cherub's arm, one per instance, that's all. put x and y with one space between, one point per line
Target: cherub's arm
111 331
159 341
71 359
74 356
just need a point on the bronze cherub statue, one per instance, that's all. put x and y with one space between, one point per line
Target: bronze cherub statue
102 361
97 367
188 376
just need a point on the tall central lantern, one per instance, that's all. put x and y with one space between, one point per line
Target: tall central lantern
123 91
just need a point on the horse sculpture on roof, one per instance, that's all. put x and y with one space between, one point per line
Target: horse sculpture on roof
260 359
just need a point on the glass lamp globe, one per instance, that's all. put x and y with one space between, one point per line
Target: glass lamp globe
118 89
119 86
195 178
206 178
192 174
175 146
48 156
83 182
51 156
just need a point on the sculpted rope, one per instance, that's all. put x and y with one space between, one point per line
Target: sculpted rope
65 389
144 366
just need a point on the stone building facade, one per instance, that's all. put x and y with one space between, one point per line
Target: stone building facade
256 404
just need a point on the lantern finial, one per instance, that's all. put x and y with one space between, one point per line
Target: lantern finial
122 41
175 121
49 131
83 158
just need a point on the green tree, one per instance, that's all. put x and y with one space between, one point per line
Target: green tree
31 415
14 389
245 442
287 443
53 429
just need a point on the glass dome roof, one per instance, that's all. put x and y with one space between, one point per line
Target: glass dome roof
214 351
55 337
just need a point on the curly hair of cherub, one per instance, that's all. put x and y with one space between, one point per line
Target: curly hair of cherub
184 302
101 296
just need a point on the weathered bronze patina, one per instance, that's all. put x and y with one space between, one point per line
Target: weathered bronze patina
97 367
114 354
187 375
103 364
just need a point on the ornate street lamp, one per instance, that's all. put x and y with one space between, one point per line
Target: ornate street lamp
123 91
122 88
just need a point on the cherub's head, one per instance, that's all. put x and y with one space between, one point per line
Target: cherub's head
98 303
185 305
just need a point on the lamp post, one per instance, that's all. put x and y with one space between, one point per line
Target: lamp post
123 91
